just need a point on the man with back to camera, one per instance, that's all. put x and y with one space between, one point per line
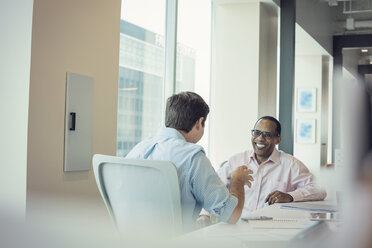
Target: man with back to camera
278 177
200 185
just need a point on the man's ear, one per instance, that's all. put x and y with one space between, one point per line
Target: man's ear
199 123
278 140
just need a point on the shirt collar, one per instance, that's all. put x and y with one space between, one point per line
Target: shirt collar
170 132
251 155
274 157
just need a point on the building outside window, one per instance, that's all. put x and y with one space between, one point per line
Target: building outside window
141 74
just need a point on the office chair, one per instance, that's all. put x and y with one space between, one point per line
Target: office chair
142 196
223 163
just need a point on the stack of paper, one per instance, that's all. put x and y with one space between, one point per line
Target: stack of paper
310 207
280 223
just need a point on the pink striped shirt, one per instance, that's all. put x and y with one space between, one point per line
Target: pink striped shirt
281 172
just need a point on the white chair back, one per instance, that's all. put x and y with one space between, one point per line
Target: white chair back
140 195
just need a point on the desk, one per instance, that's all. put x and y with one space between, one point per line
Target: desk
243 235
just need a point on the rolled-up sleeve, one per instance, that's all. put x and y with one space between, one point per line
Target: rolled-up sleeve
208 189
303 183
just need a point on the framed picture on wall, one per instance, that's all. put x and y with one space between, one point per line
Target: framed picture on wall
305 131
306 100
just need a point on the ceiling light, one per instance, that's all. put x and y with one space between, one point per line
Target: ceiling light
364 50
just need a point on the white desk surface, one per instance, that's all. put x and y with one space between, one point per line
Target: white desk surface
243 235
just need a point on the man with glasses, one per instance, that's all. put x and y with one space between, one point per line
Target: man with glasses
278 177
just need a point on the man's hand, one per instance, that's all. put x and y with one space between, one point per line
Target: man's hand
277 197
203 221
242 175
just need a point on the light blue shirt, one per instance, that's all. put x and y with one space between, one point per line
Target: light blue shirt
199 183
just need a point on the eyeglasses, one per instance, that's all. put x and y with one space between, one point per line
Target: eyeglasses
267 135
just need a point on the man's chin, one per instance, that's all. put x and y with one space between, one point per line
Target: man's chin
260 152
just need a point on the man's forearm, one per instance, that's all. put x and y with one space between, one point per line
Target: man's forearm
308 193
237 190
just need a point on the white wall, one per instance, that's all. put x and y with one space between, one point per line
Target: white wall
314 69
308 75
15 50
240 51
79 36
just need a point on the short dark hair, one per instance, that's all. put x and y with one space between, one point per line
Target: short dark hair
184 110
278 128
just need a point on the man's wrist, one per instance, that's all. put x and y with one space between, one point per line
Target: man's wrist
296 196
237 188
237 182
291 198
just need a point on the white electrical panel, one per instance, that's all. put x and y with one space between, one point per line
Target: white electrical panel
78 122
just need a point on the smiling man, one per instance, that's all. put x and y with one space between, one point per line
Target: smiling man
278 177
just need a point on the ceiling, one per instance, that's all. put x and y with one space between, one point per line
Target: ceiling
342 10
359 13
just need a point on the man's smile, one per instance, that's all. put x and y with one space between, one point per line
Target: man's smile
260 146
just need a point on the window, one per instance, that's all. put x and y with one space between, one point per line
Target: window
143 85
141 72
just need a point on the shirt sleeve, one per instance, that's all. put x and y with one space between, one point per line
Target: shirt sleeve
225 173
208 189
302 183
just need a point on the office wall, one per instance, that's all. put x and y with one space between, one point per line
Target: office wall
308 75
80 36
15 50
242 49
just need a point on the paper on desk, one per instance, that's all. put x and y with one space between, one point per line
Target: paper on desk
280 223
310 207
255 236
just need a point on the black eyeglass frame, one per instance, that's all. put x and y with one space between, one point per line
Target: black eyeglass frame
257 133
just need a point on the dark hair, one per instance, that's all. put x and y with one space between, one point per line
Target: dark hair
278 128
184 110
